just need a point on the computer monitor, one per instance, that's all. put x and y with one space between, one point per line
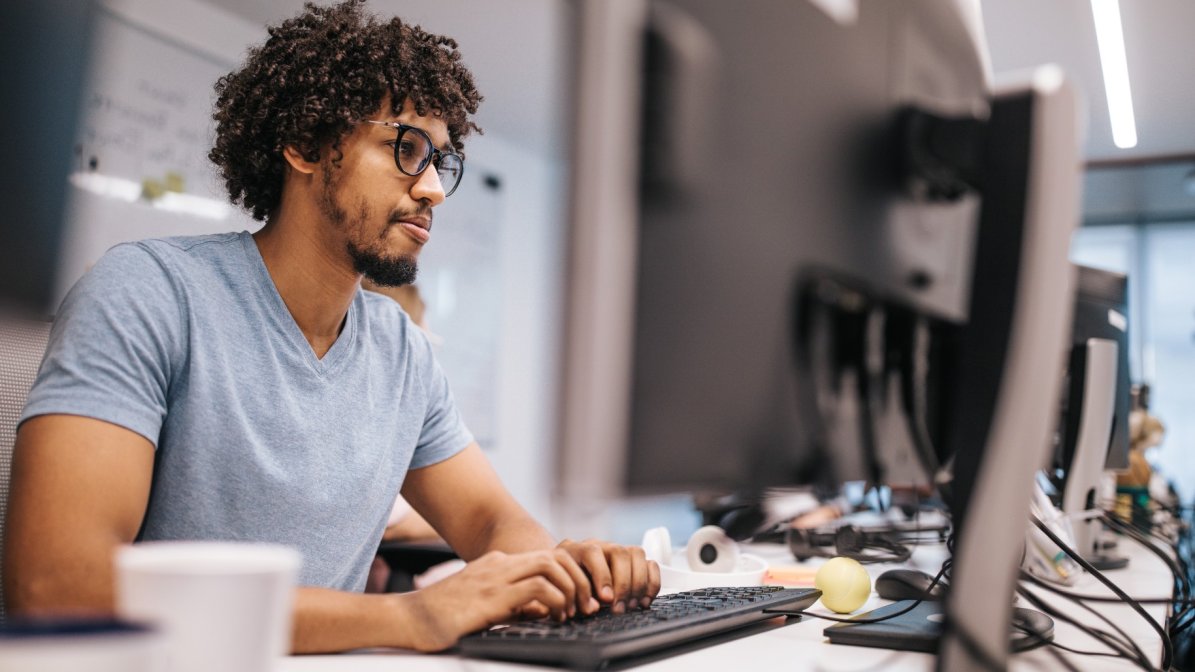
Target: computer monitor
43 51
791 225
1092 434
1101 311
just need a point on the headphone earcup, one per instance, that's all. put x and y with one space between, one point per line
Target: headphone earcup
657 545
711 550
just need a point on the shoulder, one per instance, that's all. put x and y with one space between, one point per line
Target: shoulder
181 251
155 256
147 275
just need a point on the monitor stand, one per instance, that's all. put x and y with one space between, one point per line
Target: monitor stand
1102 559
1105 563
921 628
1093 385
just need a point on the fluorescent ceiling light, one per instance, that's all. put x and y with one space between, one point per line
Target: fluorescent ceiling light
1110 35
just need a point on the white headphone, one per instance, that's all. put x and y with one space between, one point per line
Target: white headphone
708 550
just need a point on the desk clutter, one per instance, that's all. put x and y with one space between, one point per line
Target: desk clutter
710 559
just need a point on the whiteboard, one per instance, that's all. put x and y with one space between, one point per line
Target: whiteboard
147 111
146 120
460 279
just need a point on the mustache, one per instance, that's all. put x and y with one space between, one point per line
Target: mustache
419 213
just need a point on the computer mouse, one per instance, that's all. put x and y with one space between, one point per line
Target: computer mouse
907 584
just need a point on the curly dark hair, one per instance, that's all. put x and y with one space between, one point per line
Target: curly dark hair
317 76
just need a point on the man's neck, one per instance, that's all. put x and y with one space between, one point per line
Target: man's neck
314 281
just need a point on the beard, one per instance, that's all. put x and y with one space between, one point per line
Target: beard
382 270
369 258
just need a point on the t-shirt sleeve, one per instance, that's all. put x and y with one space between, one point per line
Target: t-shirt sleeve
444 433
116 344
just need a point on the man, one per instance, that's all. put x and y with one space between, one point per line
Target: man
244 387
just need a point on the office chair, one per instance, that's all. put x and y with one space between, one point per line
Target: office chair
22 345
407 559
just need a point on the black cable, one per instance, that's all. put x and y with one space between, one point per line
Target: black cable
853 621
1062 659
1125 645
1184 547
1181 582
1106 654
861 621
848 541
1097 598
965 638
1140 538
1167 646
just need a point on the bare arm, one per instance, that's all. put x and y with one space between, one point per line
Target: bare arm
80 488
466 502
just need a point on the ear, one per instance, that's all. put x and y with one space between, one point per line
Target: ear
295 158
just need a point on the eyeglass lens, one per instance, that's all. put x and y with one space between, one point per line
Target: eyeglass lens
414 150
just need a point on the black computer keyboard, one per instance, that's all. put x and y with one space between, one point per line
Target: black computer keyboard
590 642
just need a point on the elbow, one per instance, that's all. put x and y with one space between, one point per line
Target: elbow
25 595
34 589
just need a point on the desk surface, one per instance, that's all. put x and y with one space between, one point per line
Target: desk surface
799 645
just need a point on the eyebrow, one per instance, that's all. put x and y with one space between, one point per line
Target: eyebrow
446 147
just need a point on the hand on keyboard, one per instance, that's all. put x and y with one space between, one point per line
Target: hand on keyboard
591 642
500 588
623 577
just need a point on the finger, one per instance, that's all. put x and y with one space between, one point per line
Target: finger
536 589
594 561
639 577
534 610
620 576
585 601
654 582
547 565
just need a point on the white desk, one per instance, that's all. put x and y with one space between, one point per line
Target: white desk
799 645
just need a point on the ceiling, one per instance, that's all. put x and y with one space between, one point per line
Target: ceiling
523 72
515 50
1160 53
1148 178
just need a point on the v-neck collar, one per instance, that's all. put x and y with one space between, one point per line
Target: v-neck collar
285 322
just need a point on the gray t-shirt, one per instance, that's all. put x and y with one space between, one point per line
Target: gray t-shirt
187 342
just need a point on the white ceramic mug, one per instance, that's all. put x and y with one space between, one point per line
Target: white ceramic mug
220 605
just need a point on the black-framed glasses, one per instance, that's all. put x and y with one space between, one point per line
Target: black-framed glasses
414 152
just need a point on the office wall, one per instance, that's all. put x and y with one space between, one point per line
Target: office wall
1158 192
516 51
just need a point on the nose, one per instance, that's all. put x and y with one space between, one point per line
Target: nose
427 187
